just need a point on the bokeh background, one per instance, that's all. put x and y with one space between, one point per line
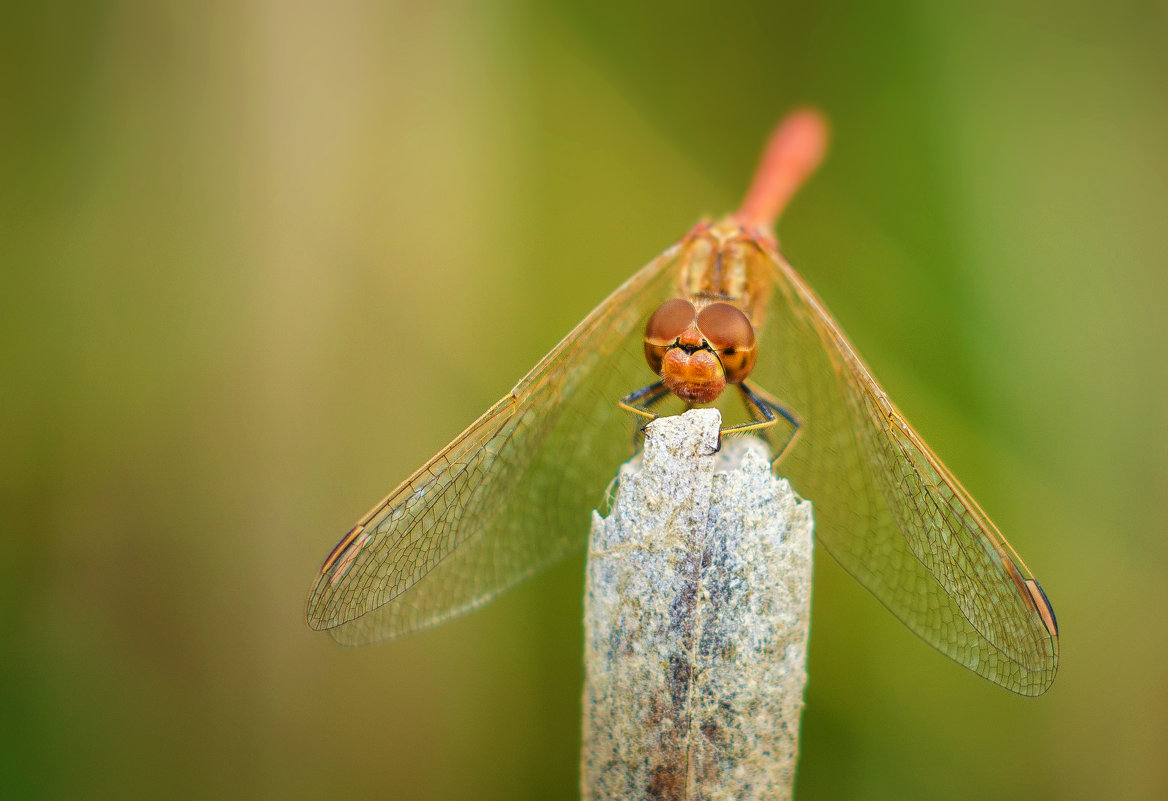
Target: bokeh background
261 259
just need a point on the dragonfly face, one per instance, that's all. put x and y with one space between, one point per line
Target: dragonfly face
697 353
514 492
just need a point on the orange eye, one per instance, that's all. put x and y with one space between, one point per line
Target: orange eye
669 321
731 335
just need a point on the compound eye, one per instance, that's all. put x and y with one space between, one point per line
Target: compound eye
730 334
670 320
725 327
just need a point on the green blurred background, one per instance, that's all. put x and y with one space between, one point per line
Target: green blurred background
261 259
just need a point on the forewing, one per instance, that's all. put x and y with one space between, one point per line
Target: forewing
888 510
512 494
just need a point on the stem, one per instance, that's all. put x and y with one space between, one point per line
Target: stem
697 614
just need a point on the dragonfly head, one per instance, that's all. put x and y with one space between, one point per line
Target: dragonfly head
697 352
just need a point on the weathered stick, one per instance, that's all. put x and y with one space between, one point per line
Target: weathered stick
697 613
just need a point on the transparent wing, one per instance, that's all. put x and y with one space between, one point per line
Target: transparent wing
890 512
512 494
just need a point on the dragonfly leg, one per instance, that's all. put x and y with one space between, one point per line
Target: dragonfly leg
764 409
639 401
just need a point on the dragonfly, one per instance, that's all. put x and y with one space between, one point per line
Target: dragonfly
720 311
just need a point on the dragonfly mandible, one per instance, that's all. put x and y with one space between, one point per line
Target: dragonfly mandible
513 493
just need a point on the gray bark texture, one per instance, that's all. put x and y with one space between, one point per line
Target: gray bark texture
697 615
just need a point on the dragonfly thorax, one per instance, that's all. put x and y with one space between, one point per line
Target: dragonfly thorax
725 262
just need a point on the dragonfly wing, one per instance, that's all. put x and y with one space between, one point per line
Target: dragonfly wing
510 495
890 512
